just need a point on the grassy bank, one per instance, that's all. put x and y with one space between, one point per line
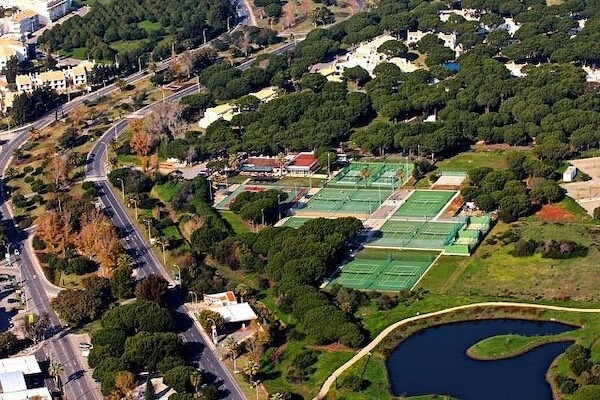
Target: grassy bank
506 346
373 370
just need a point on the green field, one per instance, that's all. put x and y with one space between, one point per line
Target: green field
237 224
493 271
123 47
167 190
505 346
149 26
473 159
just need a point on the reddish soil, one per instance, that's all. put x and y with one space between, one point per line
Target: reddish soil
453 208
254 189
554 212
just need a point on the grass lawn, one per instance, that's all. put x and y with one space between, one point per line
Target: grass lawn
149 26
79 52
505 346
328 360
237 224
300 182
492 271
237 179
473 159
172 232
126 46
443 273
167 190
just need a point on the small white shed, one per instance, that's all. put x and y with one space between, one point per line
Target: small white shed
569 174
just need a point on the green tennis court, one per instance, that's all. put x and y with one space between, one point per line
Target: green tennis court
364 174
399 270
416 234
424 203
295 222
344 200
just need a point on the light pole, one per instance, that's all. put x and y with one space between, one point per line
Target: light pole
7 255
204 34
214 330
194 297
149 232
228 25
198 77
162 91
122 187
262 215
140 64
328 166
135 203
179 273
279 205
173 48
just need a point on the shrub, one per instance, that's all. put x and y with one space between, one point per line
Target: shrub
524 248
26 222
386 302
38 243
19 201
28 169
353 383
597 212
28 179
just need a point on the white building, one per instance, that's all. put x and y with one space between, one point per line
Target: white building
21 23
227 111
48 10
467 13
13 374
592 74
11 48
449 39
515 69
569 173
74 79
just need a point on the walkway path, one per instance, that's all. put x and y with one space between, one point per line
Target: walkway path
331 380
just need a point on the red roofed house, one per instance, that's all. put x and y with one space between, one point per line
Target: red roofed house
261 165
302 164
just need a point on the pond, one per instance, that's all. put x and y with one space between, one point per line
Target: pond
434 361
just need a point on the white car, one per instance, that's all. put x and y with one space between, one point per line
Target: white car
17 252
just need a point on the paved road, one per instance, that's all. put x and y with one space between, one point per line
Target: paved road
78 383
145 258
371 346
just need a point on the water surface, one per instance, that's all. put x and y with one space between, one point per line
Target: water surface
434 361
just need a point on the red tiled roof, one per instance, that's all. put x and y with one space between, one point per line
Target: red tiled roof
263 162
303 160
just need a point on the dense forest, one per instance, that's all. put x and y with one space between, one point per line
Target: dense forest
553 104
148 21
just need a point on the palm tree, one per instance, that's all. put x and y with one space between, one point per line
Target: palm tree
196 380
124 261
232 347
54 370
281 160
365 173
11 173
251 369
243 290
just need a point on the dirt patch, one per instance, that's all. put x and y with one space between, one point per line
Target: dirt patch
453 208
587 194
332 347
554 212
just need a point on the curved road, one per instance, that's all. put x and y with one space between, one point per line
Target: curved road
368 348
78 382
147 261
